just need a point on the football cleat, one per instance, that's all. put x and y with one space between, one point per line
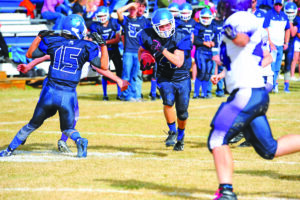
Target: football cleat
105 98
63 147
245 144
179 145
82 144
225 195
236 138
7 152
171 139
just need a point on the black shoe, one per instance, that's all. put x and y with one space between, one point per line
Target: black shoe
236 138
225 195
105 98
179 145
220 95
245 144
171 139
196 97
119 98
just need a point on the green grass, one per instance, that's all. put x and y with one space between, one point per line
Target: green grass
127 158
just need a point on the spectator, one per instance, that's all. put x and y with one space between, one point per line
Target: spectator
4 49
48 12
79 7
91 10
132 25
278 27
296 48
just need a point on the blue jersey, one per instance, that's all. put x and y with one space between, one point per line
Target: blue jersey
218 27
205 34
296 22
131 29
188 26
179 40
108 32
67 58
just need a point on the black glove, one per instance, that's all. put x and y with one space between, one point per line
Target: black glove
99 39
44 33
156 46
230 32
145 67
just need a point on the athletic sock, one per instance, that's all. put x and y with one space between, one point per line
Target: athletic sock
74 136
197 87
286 86
172 127
204 88
180 134
226 186
119 91
153 87
64 137
104 87
15 143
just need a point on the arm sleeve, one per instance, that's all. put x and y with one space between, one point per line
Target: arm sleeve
144 40
38 53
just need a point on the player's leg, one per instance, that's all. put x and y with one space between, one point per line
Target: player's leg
287 67
62 143
209 66
220 90
182 104
288 144
167 92
276 67
42 111
231 118
197 85
67 120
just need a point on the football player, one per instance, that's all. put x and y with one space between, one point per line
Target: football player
246 107
204 39
186 22
172 52
68 53
110 30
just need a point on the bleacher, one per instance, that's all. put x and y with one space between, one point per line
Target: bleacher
19 30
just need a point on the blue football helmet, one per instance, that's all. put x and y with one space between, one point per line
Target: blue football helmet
74 25
163 16
102 14
206 16
228 7
186 11
290 9
174 9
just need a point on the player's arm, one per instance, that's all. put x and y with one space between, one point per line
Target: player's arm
121 10
24 68
176 58
114 40
239 39
31 52
268 59
286 39
216 78
123 84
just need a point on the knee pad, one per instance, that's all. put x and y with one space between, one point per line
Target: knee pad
182 115
25 131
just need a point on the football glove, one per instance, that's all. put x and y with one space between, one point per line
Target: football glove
44 33
99 39
156 46
230 32
145 67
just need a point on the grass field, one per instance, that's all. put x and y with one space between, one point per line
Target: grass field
127 158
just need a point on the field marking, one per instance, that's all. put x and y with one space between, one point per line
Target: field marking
110 134
54 156
100 190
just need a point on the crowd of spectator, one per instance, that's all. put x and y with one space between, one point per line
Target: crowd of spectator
281 24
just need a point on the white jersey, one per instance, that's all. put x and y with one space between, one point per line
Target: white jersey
243 69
